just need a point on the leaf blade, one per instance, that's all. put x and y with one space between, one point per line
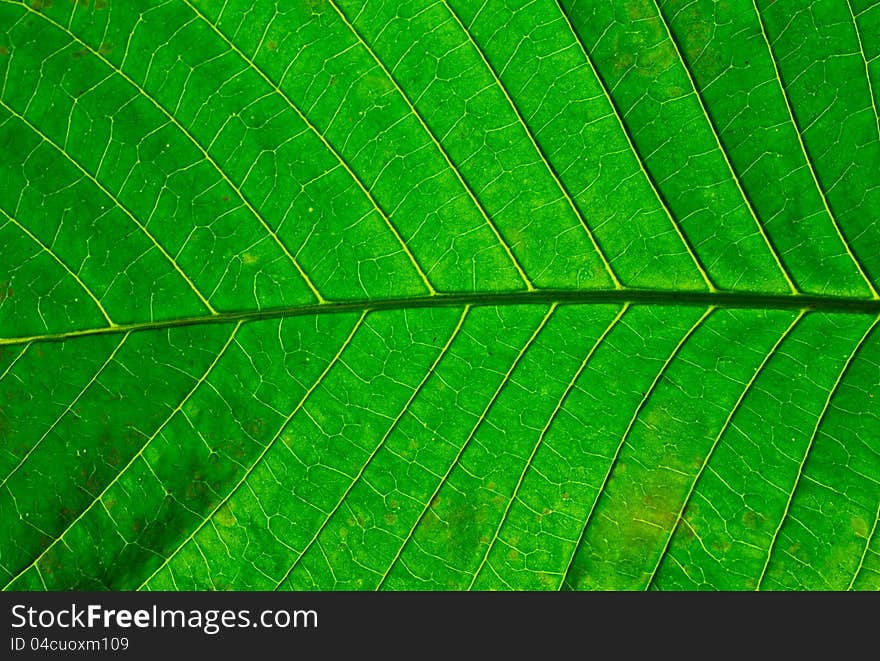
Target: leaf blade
527 295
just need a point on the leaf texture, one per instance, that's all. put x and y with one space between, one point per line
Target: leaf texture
520 294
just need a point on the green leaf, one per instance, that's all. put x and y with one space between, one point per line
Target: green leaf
326 294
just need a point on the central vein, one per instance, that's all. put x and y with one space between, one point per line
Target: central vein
751 300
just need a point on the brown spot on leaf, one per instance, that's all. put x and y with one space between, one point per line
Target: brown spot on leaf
92 484
4 50
195 490
624 62
721 546
106 48
750 519
638 10
38 5
272 45
255 427
233 448
101 4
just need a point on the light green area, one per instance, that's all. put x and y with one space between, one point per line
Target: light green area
570 237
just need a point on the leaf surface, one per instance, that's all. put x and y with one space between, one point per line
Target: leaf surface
323 294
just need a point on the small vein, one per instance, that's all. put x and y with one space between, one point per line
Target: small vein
699 96
538 148
265 451
819 421
613 463
550 420
865 551
874 294
63 265
680 516
464 445
381 444
455 170
17 358
205 154
867 70
76 399
642 165
115 201
277 89
99 497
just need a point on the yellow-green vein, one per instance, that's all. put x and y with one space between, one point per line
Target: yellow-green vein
538 149
173 119
699 96
467 441
54 255
809 161
67 410
458 175
613 463
680 516
265 450
645 171
819 420
277 89
45 138
543 433
15 360
443 351
867 69
865 551
134 458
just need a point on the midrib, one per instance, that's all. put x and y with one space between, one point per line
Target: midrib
751 300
